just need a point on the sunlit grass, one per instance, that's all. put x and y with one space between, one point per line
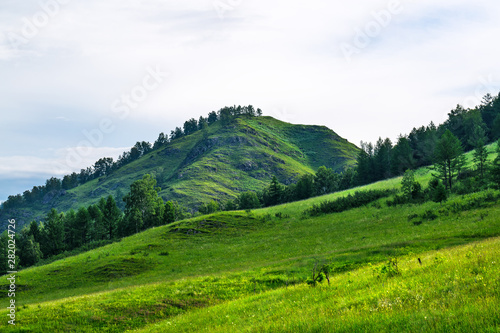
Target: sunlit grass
454 290
245 271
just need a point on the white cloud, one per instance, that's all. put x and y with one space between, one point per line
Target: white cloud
55 163
282 56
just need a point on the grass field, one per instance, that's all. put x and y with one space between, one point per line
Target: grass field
246 271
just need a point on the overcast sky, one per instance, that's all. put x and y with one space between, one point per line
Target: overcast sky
87 79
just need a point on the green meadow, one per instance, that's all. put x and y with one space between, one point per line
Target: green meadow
413 267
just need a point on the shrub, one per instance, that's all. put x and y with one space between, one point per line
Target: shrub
359 199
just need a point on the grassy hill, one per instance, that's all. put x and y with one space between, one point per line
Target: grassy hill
246 271
217 163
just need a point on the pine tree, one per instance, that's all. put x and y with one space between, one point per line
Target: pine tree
111 217
305 187
274 193
29 250
495 171
53 233
478 140
449 158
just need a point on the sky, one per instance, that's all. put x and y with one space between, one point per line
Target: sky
80 80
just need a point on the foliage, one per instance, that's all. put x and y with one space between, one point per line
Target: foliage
360 198
209 208
438 192
248 200
144 208
495 172
319 274
449 158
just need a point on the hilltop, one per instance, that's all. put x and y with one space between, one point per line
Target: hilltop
218 162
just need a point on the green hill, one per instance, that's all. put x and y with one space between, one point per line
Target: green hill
216 163
246 271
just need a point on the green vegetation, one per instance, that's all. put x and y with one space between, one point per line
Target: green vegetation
217 163
465 129
253 267
418 252
454 290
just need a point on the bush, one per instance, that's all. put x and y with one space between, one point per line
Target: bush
429 215
437 192
466 186
359 199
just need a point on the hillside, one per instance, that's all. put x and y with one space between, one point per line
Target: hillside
239 271
216 163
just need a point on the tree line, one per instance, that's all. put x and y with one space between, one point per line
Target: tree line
324 181
443 146
94 225
105 166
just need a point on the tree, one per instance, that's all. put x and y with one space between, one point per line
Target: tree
495 171
53 184
439 193
170 213
70 230
259 112
70 181
53 233
250 110
382 159
449 158
4 239
472 124
111 216
274 192
305 187
34 230
97 229
202 123
161 141
478 140
248 200
224 115
82 226
326 181
143 207
495 130
212 117
190 126
402 156
487 109
410 187
103 166
29 250
365 166
209 208
176 134
407 184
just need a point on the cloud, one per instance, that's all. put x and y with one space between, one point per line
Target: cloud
281 56
54 164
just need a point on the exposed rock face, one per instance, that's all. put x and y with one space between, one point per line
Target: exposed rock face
47 198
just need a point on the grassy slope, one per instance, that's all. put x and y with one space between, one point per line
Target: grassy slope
171 270
218 164
454 290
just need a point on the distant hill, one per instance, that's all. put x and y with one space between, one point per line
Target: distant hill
216 163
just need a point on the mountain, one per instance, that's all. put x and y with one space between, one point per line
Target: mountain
218 162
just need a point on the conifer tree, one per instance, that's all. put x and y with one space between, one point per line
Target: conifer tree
449 158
